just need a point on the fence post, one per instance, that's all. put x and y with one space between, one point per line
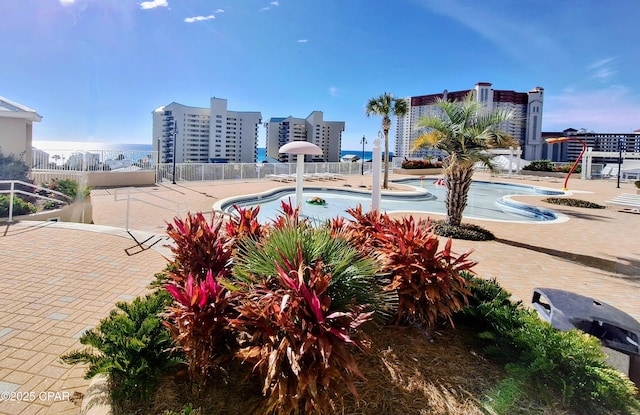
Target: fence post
13 184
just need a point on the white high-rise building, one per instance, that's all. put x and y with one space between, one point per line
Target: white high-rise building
525 127
205 135
325 134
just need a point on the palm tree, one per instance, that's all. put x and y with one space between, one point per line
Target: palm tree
464 130
386 106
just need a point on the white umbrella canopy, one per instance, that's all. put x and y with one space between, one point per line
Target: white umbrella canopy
300 148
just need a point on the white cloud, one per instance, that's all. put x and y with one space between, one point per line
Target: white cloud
199 18
302 40
605 110
219 11
145 5
67 2
273 3
333 91
601 62
602 70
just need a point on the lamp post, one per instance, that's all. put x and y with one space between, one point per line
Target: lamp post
175 133
620 140
158 164
584 148
364 141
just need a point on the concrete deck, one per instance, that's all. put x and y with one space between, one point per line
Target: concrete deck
60 279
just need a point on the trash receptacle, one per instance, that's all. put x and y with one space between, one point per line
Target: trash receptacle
616 329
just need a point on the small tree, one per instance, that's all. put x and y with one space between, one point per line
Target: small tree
13 168
465 130
386 106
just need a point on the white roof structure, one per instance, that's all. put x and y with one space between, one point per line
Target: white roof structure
10 109
300 147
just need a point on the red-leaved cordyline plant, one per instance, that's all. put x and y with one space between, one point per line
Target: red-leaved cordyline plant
199 247
289 216
298 345
198 322
428 281
245 223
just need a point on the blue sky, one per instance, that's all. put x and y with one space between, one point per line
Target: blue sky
95 69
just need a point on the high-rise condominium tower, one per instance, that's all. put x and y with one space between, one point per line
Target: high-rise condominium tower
325 134
205 135
525 127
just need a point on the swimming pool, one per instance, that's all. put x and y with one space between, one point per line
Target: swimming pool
486 201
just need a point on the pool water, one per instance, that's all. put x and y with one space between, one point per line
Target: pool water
486 201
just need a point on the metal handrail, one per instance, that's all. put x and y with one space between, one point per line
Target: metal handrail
128 198
12 191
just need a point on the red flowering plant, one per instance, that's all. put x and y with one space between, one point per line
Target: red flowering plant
298 342
421 164
198 322
198 247
244 223
428 281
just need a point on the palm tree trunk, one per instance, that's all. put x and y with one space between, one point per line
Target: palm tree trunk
457 179
385 182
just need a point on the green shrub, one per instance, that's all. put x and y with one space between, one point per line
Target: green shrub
67 187
13 168
573 202
131 345
566 168
569 365
421 164
20 207
540 165
637 183
466 231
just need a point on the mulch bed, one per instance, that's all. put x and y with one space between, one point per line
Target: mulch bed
407 371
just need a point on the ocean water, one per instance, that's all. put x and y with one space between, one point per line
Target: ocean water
141 150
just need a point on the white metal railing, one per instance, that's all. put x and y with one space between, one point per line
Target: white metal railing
93 160
128 195
32 192
241 171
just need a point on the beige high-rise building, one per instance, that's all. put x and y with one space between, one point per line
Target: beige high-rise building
325 134
205 135
525 127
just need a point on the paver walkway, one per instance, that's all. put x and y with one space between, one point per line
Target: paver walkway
55 283
56 280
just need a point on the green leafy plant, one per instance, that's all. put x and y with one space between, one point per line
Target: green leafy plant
427 280
131 345
540 165
198 323
68 187
569 364
199 247
566 168
421 164
637 183
14 168
298 344
573 202
353 274
20 207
